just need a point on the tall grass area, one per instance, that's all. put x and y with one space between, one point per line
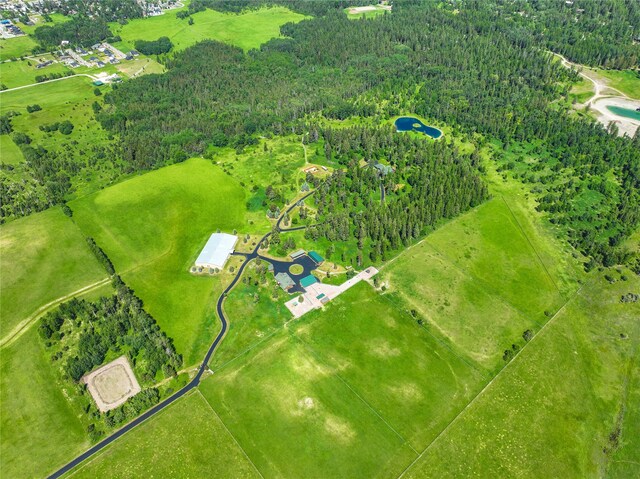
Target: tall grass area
153 227
35 414
246 30
44 257
185 440
553 411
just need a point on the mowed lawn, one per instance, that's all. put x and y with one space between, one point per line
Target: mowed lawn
551 412
185 440
44 257
153 226
39 430
246 30
351 391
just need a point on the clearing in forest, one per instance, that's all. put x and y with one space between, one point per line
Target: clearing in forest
112 384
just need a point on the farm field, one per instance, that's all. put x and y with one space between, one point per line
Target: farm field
35 415
185 440
10 153
182 204
44 257
571 377
247 30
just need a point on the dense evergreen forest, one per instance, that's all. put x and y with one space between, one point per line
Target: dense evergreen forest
384 209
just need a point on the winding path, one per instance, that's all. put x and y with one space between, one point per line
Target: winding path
602 99
201 370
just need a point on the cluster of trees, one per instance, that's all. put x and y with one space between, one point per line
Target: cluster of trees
80 30
431 181
65 127
154 47
33 108
108 10
118 324
100 255
52 76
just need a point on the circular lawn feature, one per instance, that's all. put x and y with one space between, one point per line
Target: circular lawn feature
296 269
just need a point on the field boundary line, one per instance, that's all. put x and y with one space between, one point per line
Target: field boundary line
104 450
24 325
319 358
481 392
229 432
531 244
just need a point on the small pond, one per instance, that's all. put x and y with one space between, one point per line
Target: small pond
409 123
626 112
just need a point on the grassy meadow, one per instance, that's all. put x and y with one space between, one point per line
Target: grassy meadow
44 257
24 72
627 81
551 413
185 440
10 153
35 415
16 47
153 226
246 30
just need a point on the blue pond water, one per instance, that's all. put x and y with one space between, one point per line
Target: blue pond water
409 123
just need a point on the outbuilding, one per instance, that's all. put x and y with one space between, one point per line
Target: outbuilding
217 250
285 281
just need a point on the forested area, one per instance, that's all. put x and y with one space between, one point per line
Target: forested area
429 181
80 335
464 69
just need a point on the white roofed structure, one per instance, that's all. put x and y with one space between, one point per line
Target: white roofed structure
217 250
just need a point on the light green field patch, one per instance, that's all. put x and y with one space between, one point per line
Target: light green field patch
627 81
24 72
281 403
416 383
551 412
44 257
246 30
185 440
16 47
10 153
139 66
490 245
153 227
477 322
35 414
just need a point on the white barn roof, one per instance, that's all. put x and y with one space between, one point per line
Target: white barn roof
217 250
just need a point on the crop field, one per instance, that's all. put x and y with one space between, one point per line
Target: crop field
10 153
185 440
246 30
571 377
44 257
35 415
153 226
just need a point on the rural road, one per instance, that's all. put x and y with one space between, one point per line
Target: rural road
605 96
201 370
49 81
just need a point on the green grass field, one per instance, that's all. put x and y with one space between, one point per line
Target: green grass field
24 72
10 152
16 47
153 226
44 257
35 414
627 81
551 412
247 30
185 440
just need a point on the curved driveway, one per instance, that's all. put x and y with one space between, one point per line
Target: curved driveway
203 367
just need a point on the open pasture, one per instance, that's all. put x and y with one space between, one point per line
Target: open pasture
153 226
551 412
246 30
185 440
44 257
16 47
10 153
24 72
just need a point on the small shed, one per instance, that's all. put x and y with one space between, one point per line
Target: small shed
308 281
297 254
284 281
316 257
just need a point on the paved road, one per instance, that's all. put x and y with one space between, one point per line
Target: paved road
201 370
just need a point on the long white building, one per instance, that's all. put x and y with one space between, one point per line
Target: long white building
217 250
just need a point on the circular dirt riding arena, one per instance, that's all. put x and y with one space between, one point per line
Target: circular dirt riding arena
112 384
